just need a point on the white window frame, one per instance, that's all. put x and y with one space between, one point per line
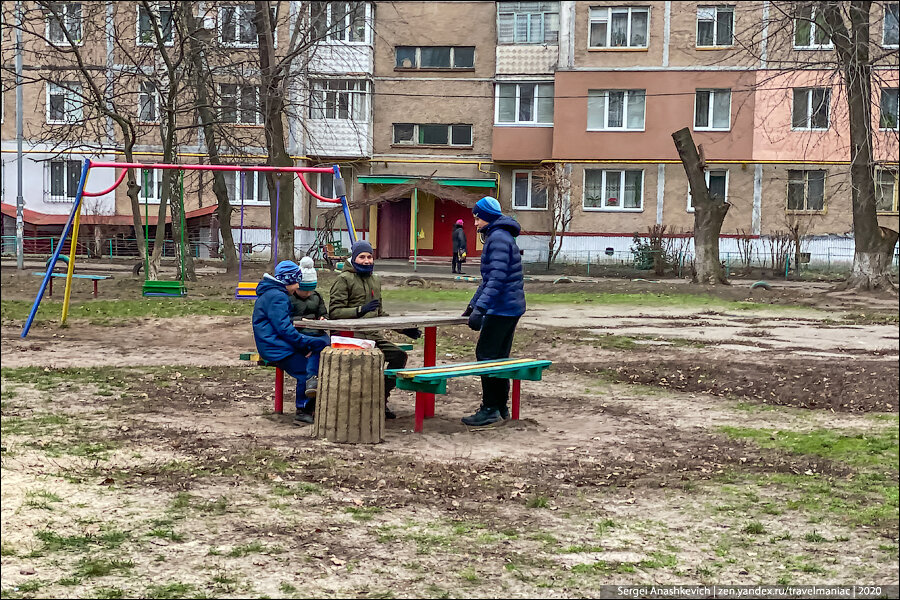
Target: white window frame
711 109
594 16
449 126
69 194
895 203
72 103
884 31
257 113
143 93
829 45
881 113
417 66
809 108
315 182
330 38
239 8
517 123
605 207
253 180
626 103
706 174
157 9
155 195
532 181
805 183
715 21
66 8
505 9
360 94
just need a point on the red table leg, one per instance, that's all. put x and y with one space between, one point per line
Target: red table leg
95 288
516 389
279 391
430 361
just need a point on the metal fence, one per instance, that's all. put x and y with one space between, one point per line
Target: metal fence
116 247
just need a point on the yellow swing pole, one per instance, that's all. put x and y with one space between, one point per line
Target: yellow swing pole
73 250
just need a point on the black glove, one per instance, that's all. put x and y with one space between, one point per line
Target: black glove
468 311
412 333
476 319
368 307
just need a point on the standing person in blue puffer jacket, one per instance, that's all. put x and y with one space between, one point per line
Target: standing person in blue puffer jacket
497 305
279 342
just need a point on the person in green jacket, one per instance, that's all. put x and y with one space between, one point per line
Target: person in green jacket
356 294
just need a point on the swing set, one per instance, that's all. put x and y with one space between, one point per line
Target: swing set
173 288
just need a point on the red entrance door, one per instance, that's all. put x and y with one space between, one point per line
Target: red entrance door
446 213
393 229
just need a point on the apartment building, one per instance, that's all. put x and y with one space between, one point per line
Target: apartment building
428 106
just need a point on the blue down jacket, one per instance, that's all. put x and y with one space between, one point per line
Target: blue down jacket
502 290
275 335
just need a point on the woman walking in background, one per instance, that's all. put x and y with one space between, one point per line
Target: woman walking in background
459 247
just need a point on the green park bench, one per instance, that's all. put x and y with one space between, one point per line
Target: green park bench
433 380
92 278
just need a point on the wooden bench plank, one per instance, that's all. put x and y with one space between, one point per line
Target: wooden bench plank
76 276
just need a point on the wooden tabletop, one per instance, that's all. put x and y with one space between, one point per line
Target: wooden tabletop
392 322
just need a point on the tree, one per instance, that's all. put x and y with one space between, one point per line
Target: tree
556 183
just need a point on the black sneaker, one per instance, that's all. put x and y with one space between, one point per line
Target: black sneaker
312 386
484 416
304 418
504 413
388 413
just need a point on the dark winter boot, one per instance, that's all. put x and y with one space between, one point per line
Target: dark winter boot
484 416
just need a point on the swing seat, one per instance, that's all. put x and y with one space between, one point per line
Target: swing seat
245 290
167 289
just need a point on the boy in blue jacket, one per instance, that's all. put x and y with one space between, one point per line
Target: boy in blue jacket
497 304
279 342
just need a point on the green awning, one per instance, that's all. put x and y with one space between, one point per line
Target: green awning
457 181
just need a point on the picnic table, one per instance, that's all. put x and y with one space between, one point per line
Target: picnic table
93 278
427 321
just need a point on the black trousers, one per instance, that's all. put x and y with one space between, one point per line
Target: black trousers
457 264
495 341
394 358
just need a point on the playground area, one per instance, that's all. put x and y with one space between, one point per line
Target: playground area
682 435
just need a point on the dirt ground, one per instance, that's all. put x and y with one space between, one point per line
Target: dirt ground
666 444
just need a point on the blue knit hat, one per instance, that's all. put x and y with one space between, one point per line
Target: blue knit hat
358 247
487 209
287 272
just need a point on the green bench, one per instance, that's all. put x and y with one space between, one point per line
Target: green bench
433 380
279 374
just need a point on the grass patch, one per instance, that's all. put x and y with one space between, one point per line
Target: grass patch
537 502
245 549
101 567
106 312
362 513
170 590
754 528
166 534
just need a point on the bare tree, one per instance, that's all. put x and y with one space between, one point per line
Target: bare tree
556 183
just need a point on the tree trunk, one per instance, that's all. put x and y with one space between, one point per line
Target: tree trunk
350 401
273 119
874 244
708 214
201 84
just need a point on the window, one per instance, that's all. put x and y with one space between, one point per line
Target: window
527 22
806 190
715 26
525 103
616 109
236 26
146 35
151 193
432 134
148 103
712 109
65 176
64 103
619 27
717 182
338 21
613 190
240 104
886 190
435 57
528 194
890 111
339 99
810 30
64 17
811 107
323 184
256 189
891 33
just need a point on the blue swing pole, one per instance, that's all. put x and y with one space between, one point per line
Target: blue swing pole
85 167
340 190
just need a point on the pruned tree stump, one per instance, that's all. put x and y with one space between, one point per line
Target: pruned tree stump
350 401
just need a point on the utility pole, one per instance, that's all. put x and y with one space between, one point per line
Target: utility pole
20 201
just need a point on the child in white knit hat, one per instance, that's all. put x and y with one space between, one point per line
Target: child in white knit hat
306 303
